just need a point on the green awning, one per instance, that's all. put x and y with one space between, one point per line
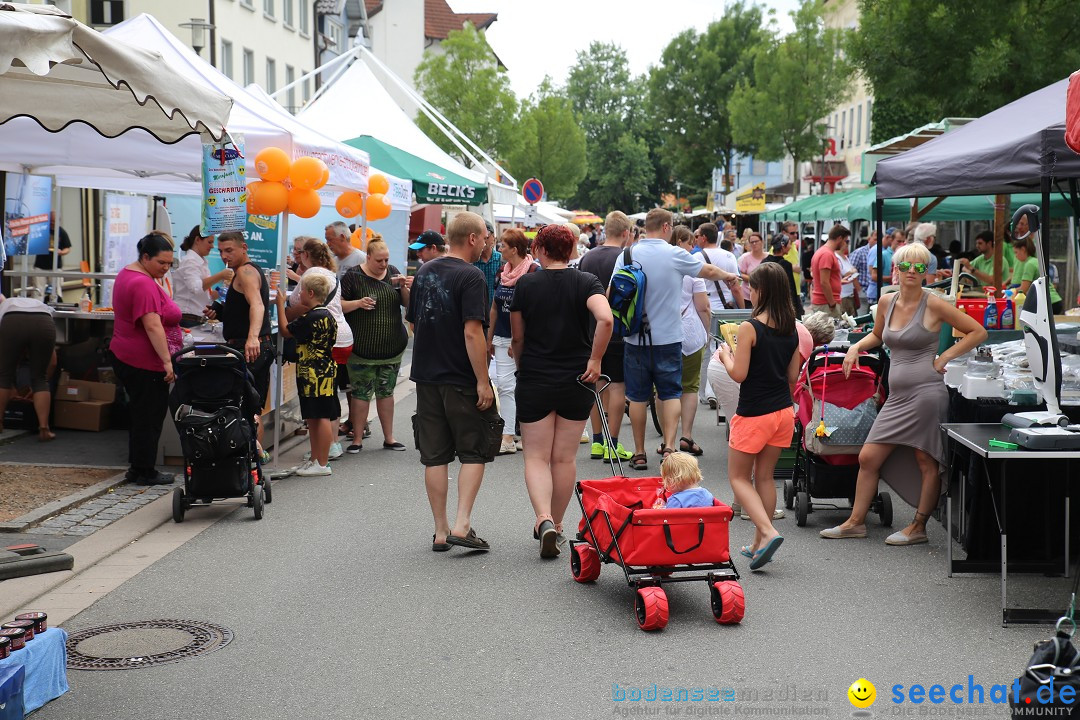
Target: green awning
431 183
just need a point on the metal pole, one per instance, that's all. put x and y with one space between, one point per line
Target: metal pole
282 244
57 291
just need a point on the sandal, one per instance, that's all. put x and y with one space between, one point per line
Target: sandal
639 462
471 541
688 445
665 451
439 546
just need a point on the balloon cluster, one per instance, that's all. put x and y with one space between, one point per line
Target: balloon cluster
376 207
270 195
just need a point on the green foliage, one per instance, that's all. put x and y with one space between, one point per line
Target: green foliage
465 84
931 59
797 81
552 146
689 89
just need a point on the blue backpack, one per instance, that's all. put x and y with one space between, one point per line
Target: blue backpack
626 296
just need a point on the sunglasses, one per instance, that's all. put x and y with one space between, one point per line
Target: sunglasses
905 266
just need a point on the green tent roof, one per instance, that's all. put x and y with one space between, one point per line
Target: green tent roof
431 183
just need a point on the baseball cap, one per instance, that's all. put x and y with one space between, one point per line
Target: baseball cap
891 230
428 237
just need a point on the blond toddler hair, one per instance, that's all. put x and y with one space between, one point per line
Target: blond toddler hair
680 472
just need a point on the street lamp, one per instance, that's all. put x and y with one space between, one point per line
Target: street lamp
738 173
824 150
678 193
637 201
198 27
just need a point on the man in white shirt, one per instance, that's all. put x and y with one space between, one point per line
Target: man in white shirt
337 238
722 295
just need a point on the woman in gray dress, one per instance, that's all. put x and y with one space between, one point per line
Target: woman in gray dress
909 323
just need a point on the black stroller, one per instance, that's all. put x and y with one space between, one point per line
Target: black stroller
213 403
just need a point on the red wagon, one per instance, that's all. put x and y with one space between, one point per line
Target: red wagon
654 547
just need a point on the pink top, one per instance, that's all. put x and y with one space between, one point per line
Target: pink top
824 257
748 263
135 295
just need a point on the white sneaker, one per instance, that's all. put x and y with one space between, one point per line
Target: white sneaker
335 451
585 437
518 445
313 469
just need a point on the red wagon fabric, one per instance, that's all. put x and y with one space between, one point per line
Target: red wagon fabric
647 537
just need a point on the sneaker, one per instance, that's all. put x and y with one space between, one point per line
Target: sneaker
736 508
598 451
313 469
585 437
354 449
622 452
507 447
778 514
335 451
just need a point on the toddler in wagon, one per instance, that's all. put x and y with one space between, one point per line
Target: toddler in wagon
682 483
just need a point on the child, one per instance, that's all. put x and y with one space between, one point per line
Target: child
682 478
766 363
315 332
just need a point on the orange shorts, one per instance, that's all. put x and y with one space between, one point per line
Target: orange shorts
751 434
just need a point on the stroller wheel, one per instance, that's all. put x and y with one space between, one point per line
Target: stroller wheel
584 562
651 608
178 506
885 511
257 501
789 493
265 482
802 507
728 602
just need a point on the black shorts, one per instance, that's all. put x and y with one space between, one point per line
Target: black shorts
260 369
535 401
320 408
447 423
612 362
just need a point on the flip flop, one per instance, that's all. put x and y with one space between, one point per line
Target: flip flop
746 552
439 547
470 541
765 554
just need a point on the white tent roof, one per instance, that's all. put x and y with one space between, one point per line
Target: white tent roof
357 104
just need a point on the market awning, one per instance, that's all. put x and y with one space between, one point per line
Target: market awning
431 183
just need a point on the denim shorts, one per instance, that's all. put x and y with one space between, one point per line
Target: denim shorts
651 366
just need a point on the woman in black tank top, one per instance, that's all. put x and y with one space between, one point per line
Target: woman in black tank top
766 362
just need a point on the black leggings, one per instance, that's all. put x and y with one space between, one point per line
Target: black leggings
30 332
148 401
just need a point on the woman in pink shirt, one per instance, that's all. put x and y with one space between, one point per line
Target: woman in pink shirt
146 331
749 260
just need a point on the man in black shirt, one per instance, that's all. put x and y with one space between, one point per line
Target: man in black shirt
455 403
601 261
45 261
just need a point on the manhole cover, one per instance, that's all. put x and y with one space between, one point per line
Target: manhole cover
140 644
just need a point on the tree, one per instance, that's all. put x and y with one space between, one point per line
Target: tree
552 143
927 59
465 84
797 81
689 89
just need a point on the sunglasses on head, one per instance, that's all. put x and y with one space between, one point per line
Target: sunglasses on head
905 266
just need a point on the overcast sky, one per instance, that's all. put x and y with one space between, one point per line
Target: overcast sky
535 38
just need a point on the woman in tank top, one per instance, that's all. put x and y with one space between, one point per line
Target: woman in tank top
766 363
909 322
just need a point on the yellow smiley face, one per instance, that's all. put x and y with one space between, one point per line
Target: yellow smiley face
862 693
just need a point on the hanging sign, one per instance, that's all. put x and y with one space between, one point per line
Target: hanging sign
224 185
27 202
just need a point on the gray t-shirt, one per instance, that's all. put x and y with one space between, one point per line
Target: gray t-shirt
356 257
664 266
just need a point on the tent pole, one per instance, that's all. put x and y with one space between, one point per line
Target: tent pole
1001 207
879 208
282 244
322 68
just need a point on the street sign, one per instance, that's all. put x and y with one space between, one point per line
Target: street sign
532 191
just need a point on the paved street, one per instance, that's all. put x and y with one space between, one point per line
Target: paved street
340 610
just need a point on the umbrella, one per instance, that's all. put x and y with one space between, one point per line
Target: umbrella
585 217
58 71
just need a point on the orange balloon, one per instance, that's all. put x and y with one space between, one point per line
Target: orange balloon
377 184
325 178
357 240
378 207
268 198
349 204
305 173
272 164
252 197
304 203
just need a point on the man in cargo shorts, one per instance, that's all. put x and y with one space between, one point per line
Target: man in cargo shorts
455 404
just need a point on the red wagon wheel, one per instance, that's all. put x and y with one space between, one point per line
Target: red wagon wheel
651 608
728 602
584 562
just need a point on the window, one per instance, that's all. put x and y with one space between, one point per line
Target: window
307 87
106 12
858 128
840 129
305 27
759 168
249 67
850 124
334 36
271 76
268 8
287 12
290 94
869 105
227 59
248 4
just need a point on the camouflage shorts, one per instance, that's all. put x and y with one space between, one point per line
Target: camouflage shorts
369 381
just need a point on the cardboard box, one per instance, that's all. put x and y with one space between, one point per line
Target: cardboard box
91 413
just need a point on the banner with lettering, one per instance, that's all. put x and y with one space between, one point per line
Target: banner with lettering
224 185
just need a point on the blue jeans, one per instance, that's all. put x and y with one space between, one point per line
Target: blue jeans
653 365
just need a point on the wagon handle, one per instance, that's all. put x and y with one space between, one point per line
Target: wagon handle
695 546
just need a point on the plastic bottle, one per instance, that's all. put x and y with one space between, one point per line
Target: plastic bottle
1007 321
48 294
990 316
1018 305
86 304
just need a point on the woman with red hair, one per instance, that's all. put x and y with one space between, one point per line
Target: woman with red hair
552 317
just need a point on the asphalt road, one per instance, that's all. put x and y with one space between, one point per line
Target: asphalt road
340 610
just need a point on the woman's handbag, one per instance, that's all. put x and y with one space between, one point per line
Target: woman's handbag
1053 667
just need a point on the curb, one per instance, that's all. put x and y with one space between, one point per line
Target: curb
56 507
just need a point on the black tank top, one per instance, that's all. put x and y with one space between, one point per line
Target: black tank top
236 317
765 388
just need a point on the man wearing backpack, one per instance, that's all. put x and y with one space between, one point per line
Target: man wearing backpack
653 343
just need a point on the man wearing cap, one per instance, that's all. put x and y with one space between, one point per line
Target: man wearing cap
886 262
860 260
337 239
429 246
490 262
